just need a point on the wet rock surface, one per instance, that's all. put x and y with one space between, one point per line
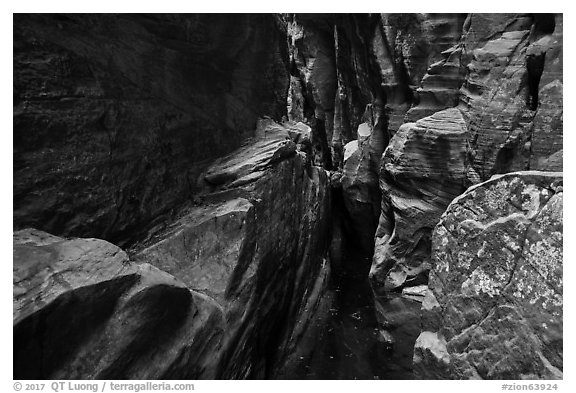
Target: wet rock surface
252 271
494 309
347 341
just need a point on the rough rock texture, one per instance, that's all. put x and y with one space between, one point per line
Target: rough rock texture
547 130
510 119
494 310
423 169
512 96
250 256
258 245
359 181
82 310
419 64
115 116
332 58
440 86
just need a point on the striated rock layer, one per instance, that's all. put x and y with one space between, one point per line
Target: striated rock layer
510 118
512 95
423 74
494 309
504 78
425 166
115 116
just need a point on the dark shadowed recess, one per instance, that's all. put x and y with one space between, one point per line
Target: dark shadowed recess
116 116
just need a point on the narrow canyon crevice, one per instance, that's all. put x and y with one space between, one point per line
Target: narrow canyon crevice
287 196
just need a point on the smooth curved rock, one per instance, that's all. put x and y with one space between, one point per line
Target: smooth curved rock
82 310
494 310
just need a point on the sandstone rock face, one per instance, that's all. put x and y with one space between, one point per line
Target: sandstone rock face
418 40
510 118
296 100
512 96
425 166
331 57
257 245
547 130
360 187
314 79
115 116
494 309
440 86
250 257
82 310
423 72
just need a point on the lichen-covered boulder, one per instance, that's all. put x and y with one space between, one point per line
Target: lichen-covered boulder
494 309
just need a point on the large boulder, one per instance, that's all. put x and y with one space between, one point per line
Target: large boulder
424 167
359 180
494 309
82 310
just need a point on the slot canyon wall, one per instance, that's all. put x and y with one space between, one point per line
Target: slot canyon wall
116 116
239 161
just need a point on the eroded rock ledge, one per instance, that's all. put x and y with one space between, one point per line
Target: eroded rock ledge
251 261
494 309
